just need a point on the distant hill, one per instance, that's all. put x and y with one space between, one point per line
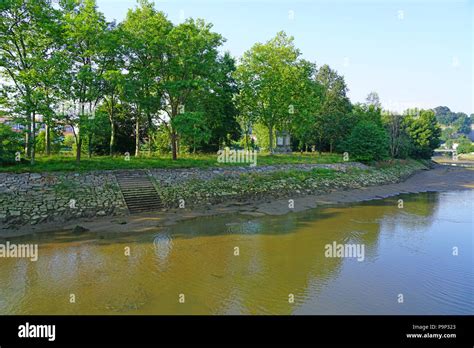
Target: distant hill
460 121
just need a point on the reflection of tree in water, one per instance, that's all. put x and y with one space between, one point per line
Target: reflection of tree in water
417 211
278 256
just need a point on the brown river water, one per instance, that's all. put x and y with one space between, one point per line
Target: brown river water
235 264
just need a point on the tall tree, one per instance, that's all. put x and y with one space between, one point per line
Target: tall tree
145 31
267 76
217 106
84 29
113 78
28 30
191 65
336 106
424 132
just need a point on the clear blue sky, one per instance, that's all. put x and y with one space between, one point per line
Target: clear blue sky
413 53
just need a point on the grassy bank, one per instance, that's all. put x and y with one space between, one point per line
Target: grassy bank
68 163
254 186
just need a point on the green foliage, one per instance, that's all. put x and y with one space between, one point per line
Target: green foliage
424 133
56 141
334 120
140 74
465 145
369 113
368 142
261 134
272 84
96 132
192 128
217 107
69 141
462 124
10 143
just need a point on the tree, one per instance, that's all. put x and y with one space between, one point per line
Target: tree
113 77
267 78
84 30
145 31
444 115
424 132
373 100
364 112
368 142
28 37
217 106
192 128
10 144
190 66
96 131
465 145
335 108
462 124
394 126
307 121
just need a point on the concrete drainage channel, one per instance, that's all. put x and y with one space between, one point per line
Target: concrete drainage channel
138 191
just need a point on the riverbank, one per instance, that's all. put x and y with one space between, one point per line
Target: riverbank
375 183
31 199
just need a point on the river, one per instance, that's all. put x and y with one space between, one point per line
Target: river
418 259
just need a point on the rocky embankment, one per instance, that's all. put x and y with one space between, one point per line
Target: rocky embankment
34 198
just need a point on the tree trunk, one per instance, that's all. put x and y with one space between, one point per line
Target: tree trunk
330 146
78 148
112 128
27 144
112 137
28 137
33 138
150 133
137 137
47 138
89 146
270 138
174 145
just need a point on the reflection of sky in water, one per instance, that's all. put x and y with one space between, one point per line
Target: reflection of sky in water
163 245
248 227
407 250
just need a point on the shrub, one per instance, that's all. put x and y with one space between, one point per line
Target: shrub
368 142
465 145
10 143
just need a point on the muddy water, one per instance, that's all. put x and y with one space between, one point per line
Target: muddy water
407 251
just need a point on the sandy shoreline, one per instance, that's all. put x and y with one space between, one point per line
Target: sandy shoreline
440 178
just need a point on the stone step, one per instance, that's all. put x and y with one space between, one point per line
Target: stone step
138 191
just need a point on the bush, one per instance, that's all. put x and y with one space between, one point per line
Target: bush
368 142
10 143
465 145
56 140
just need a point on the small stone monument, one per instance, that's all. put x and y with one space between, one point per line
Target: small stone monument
283 142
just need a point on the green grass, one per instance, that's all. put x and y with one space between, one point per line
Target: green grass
68 163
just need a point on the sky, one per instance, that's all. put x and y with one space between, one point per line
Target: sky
415 53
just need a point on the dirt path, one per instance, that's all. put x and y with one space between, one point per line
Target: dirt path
441 178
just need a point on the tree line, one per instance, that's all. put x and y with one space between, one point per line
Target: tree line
146 85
